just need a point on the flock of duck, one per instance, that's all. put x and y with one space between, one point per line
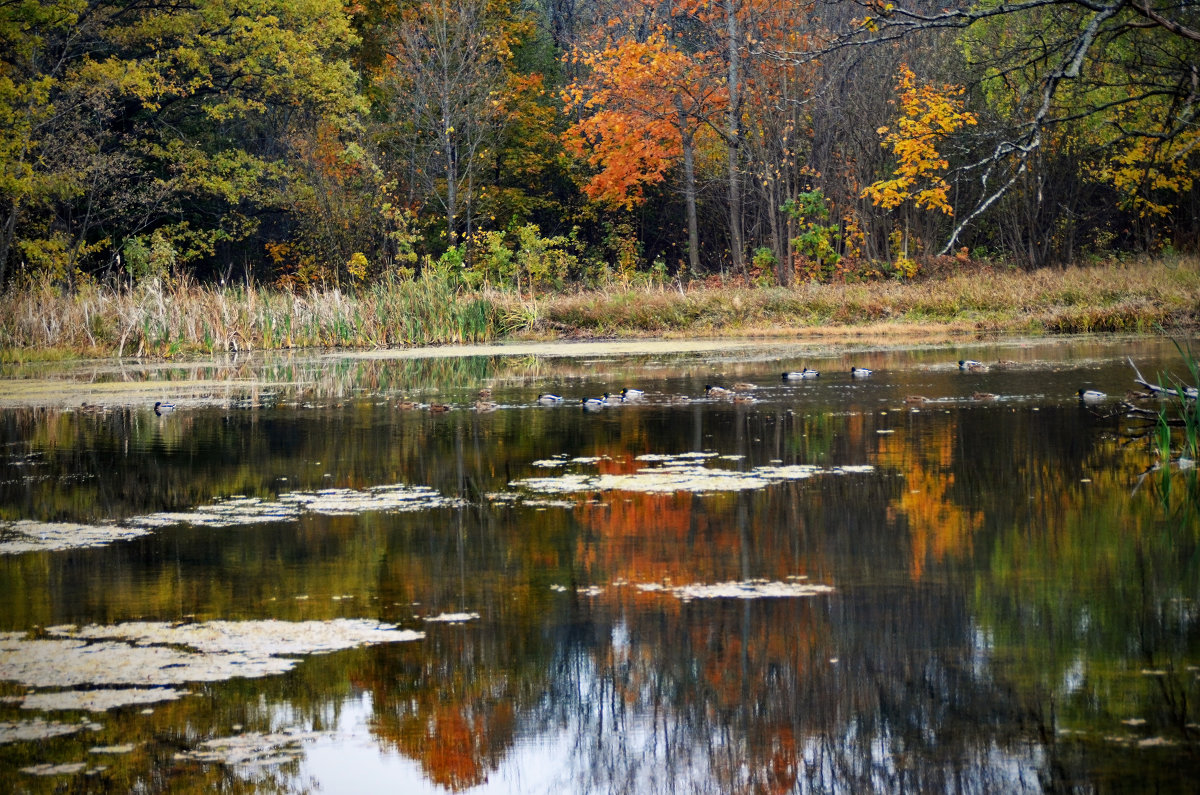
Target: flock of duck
738 392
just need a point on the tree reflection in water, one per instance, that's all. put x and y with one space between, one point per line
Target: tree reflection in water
1010 610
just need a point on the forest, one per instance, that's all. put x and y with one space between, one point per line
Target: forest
531 146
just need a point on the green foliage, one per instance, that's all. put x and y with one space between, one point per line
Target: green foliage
116 117
817 240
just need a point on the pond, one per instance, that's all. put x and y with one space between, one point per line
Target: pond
309 577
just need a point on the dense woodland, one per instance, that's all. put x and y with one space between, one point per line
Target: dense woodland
532 145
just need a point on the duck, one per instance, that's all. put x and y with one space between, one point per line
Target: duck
613 400
971 364
161 408
679 399
859 372
982 396
632 394
807 372
484 394
916 399
485 405
745 386
439 408
1091 395
716 391
407 405
743 399
548 398
593 403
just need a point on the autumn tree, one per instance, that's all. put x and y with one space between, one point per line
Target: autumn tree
929 115
448 67
640 111
1123 73
123 123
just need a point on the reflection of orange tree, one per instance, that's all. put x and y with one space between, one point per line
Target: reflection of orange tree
938 526
734 669
445 707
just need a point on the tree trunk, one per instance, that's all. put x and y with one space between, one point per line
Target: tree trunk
6 239
689 189
733 138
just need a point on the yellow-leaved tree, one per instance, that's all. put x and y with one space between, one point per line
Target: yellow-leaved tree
928 115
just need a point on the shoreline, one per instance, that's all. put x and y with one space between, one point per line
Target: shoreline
254 379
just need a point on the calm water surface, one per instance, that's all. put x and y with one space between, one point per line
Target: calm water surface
966 594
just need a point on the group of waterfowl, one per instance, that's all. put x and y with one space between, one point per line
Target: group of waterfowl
737 392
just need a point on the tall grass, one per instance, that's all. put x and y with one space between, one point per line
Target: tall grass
158 318
161 319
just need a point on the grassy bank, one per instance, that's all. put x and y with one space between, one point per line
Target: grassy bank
155 319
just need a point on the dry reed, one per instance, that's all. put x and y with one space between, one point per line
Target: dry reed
168 319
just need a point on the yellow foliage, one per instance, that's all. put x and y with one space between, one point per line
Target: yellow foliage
928 115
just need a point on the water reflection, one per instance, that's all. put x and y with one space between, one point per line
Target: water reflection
1012 606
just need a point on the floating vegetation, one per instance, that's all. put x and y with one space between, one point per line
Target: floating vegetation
453 618
559 461
158 654
29 536
65 769
290 506
29 730
252 749
744 589
680 473
99 700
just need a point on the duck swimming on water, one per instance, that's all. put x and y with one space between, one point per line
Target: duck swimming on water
795 375
161 408
859 372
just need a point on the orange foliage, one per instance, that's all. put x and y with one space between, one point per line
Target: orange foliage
631 129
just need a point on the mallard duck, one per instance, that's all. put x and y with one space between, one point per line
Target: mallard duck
716 391
982 396
859 372
485 405
795 375
593 403
407 405
613 400
632 394
916 399
549 399
484 394
971 364
1091 395
439 408
161 408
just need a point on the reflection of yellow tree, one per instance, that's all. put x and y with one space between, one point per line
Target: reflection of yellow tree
938 526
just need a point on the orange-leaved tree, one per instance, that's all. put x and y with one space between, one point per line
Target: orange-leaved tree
639 108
